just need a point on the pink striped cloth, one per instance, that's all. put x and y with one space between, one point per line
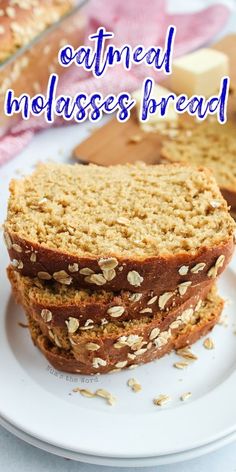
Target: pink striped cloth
134 23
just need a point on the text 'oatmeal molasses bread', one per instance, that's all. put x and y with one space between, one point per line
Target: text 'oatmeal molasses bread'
99 307
129 350
209 144
22 20
132 227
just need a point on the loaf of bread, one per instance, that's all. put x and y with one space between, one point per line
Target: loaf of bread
137 343
131 227
60 302
22 20
209 144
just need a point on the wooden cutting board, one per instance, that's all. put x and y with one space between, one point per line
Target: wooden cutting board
118 143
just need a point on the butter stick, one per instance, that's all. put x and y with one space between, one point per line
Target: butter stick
199 73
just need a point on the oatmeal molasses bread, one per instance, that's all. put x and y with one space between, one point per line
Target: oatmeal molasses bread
131 227
127 348
212 145
61 302
22 20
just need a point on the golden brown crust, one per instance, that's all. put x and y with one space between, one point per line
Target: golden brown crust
99 311
83 361
160 273
230 197
22 20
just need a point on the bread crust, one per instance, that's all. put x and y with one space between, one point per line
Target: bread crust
99 311
81 362
160 273
230 196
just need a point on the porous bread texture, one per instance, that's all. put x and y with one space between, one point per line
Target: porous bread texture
211 145
60 302
106 356
22 20
130 227
130 211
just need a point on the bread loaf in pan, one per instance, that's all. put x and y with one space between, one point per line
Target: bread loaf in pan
22 20
31 35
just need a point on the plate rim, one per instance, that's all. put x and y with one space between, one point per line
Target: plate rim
117 462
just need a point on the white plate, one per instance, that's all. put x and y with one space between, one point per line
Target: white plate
39 401
109 461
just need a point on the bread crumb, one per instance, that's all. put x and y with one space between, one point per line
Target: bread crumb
110 399
134 385
161 400
209 344
185 396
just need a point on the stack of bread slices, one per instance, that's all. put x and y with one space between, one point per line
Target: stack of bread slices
117 266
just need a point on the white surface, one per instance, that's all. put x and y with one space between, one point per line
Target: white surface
15 455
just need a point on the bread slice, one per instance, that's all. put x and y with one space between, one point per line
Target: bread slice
132 227
61 329
117 344
114 350
61 303
209 144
